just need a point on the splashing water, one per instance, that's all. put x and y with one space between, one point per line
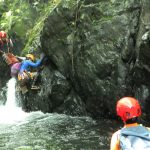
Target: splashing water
11 99
10 113
39 131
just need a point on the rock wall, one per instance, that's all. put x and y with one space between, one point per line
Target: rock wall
98 52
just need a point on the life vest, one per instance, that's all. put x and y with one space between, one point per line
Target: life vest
135 138
10 59
25 75
24 78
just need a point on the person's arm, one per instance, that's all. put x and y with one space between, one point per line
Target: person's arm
21 58
32 64
115 145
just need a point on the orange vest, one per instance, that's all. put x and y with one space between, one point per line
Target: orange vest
10 59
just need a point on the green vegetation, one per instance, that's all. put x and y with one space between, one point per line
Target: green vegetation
34 33
25 18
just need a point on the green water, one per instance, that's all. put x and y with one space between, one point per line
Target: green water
38 131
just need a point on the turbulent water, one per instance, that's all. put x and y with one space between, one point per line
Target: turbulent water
38 131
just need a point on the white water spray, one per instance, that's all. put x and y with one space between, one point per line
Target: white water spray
10 113
11 98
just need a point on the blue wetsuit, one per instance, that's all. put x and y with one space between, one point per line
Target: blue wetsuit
28 63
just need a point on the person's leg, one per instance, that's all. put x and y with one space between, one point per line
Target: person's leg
35 76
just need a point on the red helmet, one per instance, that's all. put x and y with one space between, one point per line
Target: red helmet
3 34
127 108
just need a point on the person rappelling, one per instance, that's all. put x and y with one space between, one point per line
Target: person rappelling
21 69
25 75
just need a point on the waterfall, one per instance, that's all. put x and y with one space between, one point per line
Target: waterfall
10 112
11 98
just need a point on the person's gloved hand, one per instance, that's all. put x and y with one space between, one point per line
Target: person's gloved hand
42 55
43 59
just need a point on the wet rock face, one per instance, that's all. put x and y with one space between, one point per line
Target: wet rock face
98 52
4 72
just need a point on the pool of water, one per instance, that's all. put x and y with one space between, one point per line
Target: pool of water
39 131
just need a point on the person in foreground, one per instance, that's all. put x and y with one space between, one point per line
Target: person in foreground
132 136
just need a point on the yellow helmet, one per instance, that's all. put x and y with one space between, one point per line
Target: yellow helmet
30 56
